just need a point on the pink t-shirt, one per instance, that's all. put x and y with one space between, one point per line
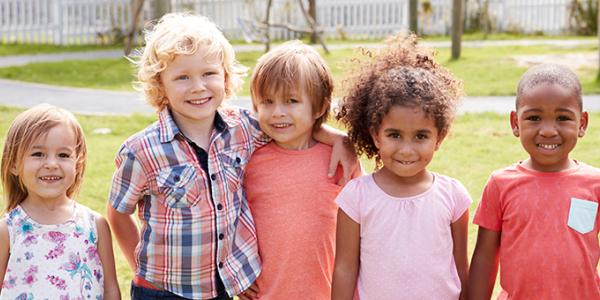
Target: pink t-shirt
406 243
549 223
292 202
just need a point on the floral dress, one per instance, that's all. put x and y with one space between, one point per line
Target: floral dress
58 261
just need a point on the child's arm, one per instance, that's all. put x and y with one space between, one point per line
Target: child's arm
126 232
460 232
4 250
107 257
484 264
347 257
342 152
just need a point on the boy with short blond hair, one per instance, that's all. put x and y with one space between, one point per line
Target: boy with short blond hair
183 173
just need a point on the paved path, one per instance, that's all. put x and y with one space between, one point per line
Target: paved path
90 101
100 102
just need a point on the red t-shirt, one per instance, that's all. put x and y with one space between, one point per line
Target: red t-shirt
293 205
549 231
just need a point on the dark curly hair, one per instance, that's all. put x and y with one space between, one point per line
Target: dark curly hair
400 74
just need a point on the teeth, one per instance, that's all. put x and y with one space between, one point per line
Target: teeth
199 101
49 178
281 125
405 162
548 146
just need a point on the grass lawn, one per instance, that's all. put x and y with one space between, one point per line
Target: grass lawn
478 144
21 49
485 71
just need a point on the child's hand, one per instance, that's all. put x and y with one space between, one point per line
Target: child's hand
250 293
343 154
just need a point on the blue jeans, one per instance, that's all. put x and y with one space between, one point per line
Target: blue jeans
140 293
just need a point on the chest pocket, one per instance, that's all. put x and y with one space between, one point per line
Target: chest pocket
234 163
582 215
177 184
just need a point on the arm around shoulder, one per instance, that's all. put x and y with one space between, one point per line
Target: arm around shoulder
343 153
484 264
4 249
107 257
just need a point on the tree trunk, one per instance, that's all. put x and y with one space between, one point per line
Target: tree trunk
312 11
267 36
413 12
161 7
457 28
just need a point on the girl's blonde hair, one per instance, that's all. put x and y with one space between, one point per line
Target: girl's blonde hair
27 127
183 34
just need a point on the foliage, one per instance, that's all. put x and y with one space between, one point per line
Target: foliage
583 16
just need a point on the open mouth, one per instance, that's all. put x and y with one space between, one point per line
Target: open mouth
281 125
199 101
548 146
50 179
404 162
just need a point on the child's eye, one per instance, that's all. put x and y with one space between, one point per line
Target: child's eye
394 135
421 136
564 118
533 118
182 77
292 101
37 154
266 101
210 73
64 155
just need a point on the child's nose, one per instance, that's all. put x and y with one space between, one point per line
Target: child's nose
279 110
548 130
50 163
198 85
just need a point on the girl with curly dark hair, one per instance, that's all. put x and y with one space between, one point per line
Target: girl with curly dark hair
402 231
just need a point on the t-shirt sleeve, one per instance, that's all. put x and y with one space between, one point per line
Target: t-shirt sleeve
128 183
489 211
349 201
462 201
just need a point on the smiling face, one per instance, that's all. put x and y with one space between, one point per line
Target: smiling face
548 122
288 118
48 169
195 87
407 140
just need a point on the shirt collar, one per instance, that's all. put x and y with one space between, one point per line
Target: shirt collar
168 129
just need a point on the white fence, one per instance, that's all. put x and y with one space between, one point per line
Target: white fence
102 21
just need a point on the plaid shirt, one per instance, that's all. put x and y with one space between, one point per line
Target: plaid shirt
186 237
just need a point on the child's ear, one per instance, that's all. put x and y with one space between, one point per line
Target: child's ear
375 137
321 112
514 123
583 123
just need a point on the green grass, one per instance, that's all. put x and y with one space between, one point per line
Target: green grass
485 71
21 49
477 145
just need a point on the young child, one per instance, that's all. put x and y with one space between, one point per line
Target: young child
51 247
184 172
539 218
401 231
290 196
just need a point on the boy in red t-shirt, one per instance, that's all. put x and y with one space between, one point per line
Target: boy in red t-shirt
539 218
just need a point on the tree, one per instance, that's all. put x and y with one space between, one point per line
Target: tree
413 12
457 27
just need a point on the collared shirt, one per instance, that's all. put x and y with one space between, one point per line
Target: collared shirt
187 236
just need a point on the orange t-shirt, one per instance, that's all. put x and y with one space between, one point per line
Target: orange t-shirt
549 231
293 205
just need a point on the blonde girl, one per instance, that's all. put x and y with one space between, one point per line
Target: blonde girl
51 247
